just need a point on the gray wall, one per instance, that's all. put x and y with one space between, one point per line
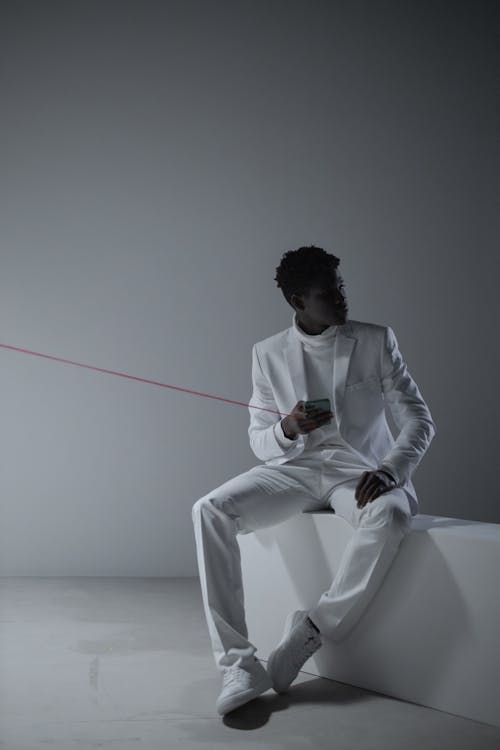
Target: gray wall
157 160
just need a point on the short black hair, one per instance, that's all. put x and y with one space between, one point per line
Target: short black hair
302 269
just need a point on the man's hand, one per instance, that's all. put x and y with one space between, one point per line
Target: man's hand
371 485
302 422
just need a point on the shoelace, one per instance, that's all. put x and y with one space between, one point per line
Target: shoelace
233 674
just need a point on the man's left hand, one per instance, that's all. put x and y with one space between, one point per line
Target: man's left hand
371 485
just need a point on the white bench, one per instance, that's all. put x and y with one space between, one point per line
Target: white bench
430 635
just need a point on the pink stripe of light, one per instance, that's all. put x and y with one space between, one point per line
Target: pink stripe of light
134 377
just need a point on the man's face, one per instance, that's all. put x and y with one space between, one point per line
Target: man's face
325 304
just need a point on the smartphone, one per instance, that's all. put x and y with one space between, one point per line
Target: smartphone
321 403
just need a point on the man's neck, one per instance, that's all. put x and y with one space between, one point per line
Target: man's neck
309 332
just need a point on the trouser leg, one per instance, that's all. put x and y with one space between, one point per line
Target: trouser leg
219 567
379 529
261 497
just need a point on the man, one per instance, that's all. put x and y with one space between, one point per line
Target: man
344 458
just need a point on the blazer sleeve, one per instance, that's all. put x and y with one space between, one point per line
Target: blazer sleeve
264 428
409 411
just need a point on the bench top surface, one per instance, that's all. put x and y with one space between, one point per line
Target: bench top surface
428 522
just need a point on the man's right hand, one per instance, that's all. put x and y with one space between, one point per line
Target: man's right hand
301 422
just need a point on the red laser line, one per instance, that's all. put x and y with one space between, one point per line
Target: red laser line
134 377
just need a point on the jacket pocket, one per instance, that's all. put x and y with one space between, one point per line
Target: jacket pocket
372 381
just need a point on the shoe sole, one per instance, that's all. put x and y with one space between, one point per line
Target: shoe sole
239 699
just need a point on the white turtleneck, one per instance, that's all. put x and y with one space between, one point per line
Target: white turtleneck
316 339
318 353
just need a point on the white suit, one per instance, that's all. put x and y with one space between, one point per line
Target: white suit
368 374
359 367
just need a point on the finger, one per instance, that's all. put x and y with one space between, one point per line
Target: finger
361 484
371 483
306 418
371 490
312 418
372 493
362 503
309 424
313 411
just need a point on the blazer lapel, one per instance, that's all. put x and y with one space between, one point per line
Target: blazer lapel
343 347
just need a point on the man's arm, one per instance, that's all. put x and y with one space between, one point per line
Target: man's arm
267 439
409 411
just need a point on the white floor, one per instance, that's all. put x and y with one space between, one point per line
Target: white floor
126 663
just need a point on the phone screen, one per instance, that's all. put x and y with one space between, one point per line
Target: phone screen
321 403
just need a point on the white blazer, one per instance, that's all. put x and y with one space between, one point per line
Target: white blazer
369 374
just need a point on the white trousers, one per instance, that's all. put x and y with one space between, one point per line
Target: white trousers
267 495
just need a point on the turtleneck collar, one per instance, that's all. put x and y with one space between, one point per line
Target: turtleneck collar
319 339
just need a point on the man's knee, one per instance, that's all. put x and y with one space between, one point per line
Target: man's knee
200 505
399 514
393 510
208 503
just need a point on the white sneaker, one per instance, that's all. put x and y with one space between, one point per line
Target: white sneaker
300 641
241 685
